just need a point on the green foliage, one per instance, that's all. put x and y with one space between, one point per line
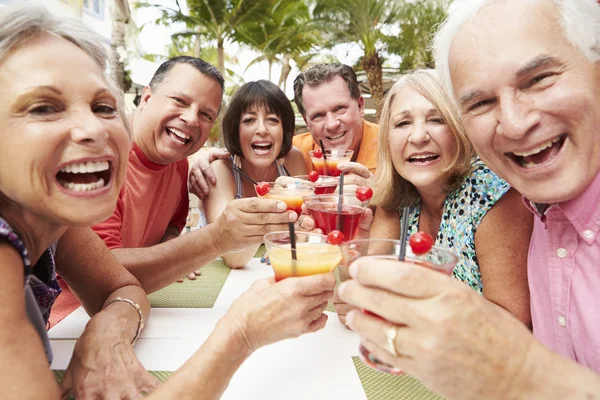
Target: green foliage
418 22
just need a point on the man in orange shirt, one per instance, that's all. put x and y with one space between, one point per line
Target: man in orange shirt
329 99
177 110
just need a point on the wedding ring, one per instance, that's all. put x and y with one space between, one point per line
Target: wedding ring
390 337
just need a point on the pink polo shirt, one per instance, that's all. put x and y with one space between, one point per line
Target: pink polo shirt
564 277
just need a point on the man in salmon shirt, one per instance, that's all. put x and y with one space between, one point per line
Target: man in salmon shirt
177 110
526 76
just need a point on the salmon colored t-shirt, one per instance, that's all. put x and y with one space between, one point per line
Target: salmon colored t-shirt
367 152
153 197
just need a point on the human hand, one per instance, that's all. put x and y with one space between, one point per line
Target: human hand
244 222
437 329
355 174
104 365
201 171
269 312
191 276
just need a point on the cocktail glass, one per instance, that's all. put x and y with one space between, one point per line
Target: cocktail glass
327 163
436 259
289 192
313 254
324 185
329 215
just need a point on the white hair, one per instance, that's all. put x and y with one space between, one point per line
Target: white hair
579 19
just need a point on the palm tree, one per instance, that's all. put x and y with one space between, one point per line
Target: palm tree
121 19
361 21
286 32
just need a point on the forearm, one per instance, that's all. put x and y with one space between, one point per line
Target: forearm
547 375
208 372
240 258
160 265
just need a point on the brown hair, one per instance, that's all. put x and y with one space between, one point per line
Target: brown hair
322 73
258 94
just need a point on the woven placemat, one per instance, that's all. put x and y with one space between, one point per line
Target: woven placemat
201 293
382 386
261 251
160 375
336 273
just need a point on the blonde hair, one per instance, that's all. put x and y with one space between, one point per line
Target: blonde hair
21 23
393 191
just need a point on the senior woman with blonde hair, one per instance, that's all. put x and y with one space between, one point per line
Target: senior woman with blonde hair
426 163
62 164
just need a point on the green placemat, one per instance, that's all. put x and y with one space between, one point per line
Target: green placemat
382 386
160 375
336 273
201 293
261 251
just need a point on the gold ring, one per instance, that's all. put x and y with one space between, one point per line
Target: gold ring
390 337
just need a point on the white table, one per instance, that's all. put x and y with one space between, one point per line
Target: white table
314 366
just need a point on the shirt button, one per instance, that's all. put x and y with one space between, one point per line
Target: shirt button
562 321
562 253
588 234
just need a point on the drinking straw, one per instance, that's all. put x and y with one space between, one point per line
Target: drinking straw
239 171
324 157
403 232
293 241
340 200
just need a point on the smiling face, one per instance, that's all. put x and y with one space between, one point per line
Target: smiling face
261 136
333 116
421 144
530 100
173 121
64 146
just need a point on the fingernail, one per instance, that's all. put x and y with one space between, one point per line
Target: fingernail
214 181
350 318
353 270
262 260
281 206
293 216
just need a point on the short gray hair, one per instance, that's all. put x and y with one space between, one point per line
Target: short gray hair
21 23
579 19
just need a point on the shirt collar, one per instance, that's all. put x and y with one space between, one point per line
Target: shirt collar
583 212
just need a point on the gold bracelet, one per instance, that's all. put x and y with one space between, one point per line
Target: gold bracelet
138 309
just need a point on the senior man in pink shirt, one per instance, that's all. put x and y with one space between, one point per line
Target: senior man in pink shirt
526 76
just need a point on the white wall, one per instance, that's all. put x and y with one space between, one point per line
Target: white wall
66 8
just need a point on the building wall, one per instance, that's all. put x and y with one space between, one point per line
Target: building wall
100 22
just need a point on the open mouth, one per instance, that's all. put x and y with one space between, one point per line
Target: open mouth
177 136
85 176
542 154
262 148
423 159
336 138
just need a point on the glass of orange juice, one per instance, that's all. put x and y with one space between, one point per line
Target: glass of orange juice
313 254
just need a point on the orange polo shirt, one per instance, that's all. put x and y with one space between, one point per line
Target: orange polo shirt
367 152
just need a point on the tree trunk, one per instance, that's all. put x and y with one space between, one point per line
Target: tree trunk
120 19
286 68
371 63
270 65
221 66
221 57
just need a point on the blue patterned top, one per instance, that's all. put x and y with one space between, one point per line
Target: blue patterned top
42 277
464 209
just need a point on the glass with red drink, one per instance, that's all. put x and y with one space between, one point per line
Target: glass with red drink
325 162
436 259
334 212
323 185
